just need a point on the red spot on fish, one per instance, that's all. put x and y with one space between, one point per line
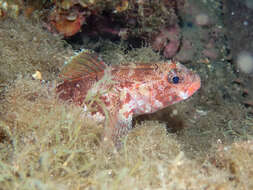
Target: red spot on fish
128 98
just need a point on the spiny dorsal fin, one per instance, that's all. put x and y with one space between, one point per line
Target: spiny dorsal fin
83 63
137 66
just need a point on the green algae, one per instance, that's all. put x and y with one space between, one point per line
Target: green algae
48 144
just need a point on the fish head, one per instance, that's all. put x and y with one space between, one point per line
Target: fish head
176 83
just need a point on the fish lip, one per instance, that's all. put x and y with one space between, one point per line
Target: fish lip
195 85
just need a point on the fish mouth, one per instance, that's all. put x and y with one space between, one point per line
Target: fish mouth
190 88
195 85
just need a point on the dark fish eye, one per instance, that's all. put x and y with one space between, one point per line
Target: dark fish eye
175 80
174 77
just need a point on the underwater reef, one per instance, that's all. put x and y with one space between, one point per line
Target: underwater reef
204 142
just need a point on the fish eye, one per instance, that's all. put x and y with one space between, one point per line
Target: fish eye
175 79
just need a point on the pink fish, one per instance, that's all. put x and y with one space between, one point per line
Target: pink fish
124 91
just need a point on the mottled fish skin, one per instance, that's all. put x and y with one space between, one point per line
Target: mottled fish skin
137 88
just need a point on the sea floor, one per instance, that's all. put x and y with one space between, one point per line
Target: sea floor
205 142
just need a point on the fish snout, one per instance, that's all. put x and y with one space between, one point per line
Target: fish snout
194 85
190 87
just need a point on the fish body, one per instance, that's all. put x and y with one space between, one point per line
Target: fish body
134 89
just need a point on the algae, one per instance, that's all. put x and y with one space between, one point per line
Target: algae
202 143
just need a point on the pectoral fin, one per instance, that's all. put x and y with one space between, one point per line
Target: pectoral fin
117 127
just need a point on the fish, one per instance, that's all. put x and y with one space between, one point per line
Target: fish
118 93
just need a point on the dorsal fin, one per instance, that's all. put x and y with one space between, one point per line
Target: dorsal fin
83 63
137 66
